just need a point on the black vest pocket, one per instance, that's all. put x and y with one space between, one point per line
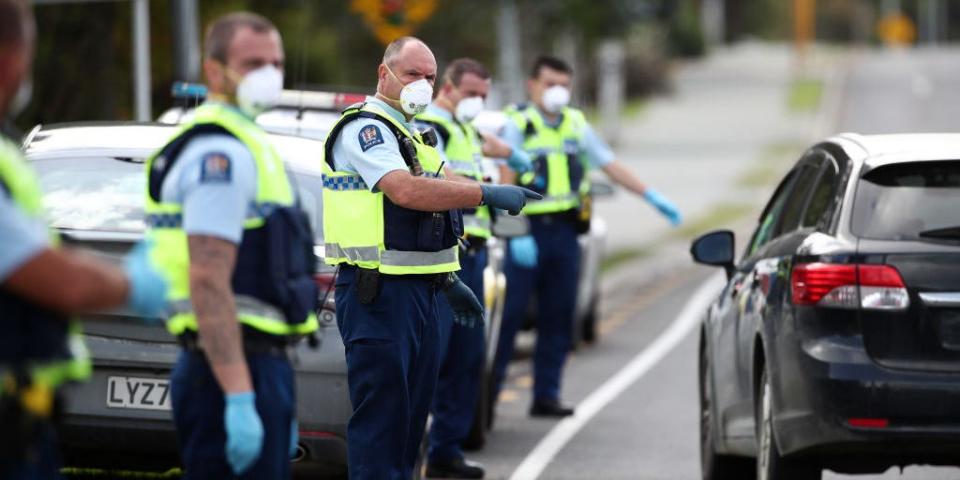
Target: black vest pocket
541 172
414 231
291 263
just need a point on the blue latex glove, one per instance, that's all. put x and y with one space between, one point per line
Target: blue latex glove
507 197
519 160
294 438
666 207
147 287
523 251
244 431
467 310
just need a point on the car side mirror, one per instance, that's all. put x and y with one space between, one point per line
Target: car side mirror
506 226
599 189
715 248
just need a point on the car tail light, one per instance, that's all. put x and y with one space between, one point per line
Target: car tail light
872 287
868 422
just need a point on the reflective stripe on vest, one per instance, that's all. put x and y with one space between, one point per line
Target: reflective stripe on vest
354 217
553 146
23 187
464 153
165 221
250 311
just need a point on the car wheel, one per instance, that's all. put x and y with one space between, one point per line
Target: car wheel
714 466
589 328
490 403
770 465
478 429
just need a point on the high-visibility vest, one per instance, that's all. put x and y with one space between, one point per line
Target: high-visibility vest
170 253
366 229
461 145
36 341
556 159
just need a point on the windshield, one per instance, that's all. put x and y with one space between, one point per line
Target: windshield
106 194
900 201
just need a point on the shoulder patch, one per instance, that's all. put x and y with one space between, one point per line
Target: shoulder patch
215 167
370 137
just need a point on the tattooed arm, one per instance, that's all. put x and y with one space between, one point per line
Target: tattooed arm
211 266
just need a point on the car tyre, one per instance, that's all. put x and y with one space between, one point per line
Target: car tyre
770 465
714 466
477 436
588 330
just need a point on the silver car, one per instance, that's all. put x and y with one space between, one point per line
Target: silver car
93 179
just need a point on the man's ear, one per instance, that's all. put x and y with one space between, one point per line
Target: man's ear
213 72
382 73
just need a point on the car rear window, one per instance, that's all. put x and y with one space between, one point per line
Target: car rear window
900 201
106 194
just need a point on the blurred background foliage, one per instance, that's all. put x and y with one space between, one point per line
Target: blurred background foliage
83 65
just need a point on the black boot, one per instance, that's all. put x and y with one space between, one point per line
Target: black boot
550 408
458 468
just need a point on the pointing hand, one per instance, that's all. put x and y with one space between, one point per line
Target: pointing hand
507 197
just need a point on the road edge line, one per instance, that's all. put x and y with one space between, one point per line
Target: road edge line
549 446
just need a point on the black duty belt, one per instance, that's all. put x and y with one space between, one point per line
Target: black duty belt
368 281
254 342
566 216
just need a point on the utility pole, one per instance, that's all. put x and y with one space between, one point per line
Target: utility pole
611 88
930 21
186 40
713 20
508 54
141 60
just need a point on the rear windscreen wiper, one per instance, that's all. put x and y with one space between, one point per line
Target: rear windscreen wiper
952 233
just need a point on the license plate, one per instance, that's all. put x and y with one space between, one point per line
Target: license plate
138 393
950 329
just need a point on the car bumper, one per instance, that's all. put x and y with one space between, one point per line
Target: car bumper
835 382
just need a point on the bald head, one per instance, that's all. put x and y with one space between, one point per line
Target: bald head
406 60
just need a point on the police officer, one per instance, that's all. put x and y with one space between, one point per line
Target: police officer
391 223
564 148
41 284
466 83
237 251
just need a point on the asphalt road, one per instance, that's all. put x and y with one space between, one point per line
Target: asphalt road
649 429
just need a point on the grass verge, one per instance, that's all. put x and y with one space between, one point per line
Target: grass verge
622 256
100 474
773 163
721 215
805 95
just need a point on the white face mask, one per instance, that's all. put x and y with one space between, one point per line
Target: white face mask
555 98
469 108
259 90
21 99
414 96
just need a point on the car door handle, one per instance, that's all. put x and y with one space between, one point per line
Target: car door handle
940 299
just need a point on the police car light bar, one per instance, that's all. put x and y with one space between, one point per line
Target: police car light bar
189 91
312 100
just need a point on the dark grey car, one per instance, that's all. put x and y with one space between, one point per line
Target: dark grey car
93 179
